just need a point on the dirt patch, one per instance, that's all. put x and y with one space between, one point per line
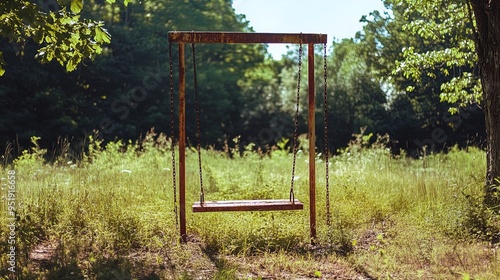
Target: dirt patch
41 257
281 265
192 261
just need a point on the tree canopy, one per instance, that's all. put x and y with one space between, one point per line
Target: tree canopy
118 80
467 51
56 27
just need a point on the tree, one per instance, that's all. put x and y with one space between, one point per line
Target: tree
124 92
487 36
475 25
358 99
56 26
417 120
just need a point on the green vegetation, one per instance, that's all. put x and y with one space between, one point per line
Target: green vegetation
124 91
100 206
56 27
110 216
464 35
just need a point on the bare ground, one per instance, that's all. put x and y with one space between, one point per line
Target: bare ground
189 261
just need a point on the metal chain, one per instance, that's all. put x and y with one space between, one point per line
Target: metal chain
296 128
327 153
198 130
172 131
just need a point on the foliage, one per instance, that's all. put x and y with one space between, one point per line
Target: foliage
102 206
480 220
357 100
56 27
453 52
464 21
124 91
416 110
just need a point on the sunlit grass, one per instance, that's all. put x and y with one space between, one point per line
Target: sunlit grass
392 216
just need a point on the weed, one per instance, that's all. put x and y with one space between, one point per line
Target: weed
480 220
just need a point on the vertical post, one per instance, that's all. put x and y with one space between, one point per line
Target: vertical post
312 143
182 143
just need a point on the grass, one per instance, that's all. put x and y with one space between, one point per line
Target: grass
110 216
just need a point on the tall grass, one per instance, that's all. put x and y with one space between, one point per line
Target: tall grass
392 216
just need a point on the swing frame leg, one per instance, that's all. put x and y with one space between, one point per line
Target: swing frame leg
312 144
182 143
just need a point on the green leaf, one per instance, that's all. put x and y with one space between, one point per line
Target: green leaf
68 20
98 49
38 37
2 63
76 6
102 35
72 63
49 55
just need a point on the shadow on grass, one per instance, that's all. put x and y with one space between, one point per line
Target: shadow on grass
225 269
104 269
118 268
69 271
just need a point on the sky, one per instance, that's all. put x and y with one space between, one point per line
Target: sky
337 18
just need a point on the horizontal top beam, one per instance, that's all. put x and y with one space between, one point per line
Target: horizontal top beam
244 37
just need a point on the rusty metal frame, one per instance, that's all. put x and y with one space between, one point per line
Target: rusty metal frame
183 37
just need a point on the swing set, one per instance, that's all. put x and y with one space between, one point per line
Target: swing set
192 37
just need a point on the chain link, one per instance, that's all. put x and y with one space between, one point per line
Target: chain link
172 131
327 153
296 128
198 129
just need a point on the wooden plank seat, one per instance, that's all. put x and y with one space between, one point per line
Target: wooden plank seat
248 205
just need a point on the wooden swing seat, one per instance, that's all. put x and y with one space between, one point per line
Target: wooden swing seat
248 205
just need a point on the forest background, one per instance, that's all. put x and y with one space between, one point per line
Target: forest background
244 92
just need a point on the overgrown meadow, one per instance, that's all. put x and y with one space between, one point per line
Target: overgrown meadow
110 215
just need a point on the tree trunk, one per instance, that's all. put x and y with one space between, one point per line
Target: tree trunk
487 37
